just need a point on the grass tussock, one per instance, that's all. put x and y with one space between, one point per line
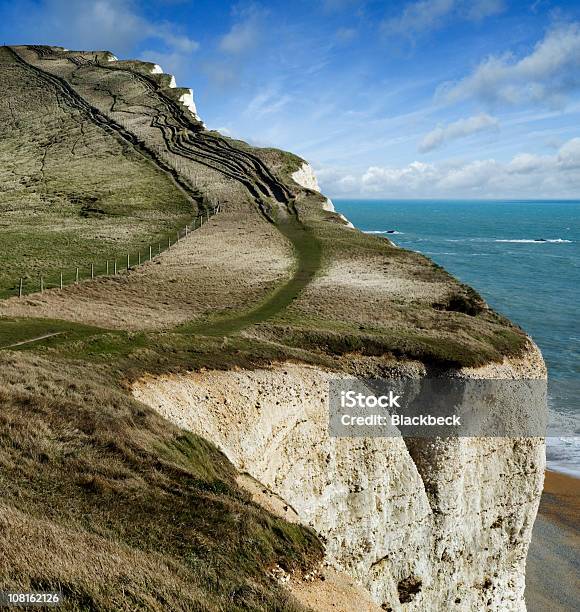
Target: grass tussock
122 511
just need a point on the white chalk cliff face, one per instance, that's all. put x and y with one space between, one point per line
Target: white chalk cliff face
423 526
305 177
186 99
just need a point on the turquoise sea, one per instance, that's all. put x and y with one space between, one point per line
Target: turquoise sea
524 258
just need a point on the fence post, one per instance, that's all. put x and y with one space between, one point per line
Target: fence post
169 243
139 257
41 284
159 249
61 283
20 288
107 267
186 229
128 262
150 253
92 270
115 267
77 277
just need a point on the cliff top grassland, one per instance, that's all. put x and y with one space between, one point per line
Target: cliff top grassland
100 158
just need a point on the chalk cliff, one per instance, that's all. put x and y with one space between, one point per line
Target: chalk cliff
431 525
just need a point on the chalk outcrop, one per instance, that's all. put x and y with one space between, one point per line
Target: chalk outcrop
306 178
432 525
185 98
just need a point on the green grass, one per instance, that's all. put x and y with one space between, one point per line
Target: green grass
13 331
160 507
308 255
71 193
446 339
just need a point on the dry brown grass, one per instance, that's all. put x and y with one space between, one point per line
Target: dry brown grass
109 503
215 270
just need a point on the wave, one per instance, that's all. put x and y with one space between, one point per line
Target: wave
436 252
563 441
535 240
390 232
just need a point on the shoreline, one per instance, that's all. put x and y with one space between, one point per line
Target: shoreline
553 559
561 499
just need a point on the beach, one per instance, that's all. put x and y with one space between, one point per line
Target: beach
553 559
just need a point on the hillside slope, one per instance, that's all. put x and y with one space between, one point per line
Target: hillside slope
276 277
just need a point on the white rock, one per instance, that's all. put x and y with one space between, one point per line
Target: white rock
157 69
328 205
346 221
305 177
464 544
187 100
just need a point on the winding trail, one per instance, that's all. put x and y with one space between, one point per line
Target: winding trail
308 254
185 137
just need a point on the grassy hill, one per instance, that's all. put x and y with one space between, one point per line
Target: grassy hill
109 502
72 193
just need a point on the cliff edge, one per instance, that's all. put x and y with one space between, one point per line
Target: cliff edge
192 385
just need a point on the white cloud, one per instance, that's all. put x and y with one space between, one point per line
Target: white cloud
114 25
419 17
569 154
184 44
428 15
244 35
458 129
525 175
547 75
414 176
477 11
524 163
267 102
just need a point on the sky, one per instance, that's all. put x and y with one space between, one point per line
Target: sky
417 99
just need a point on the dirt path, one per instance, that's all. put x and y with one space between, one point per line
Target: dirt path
184 138
308 260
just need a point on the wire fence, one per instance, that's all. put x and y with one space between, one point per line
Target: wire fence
58 279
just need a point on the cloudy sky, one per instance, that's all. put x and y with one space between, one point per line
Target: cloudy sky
427 98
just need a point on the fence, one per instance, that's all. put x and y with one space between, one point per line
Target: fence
110 267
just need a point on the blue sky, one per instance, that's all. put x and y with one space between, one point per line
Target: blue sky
428 98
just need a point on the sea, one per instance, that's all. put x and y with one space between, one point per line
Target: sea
523 257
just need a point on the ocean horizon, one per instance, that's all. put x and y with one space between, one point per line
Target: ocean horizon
523 257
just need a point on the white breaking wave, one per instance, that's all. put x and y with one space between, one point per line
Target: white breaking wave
390 232
535 240
563 442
